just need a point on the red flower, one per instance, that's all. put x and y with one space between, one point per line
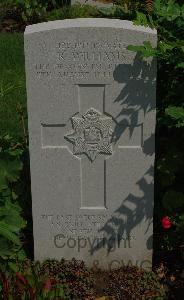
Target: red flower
22 278
48 285
166 222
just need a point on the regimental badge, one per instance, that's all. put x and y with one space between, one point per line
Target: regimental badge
92 134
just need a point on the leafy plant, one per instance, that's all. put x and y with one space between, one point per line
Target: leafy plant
48 280
58 3
32 10
116 11
145 50
176 114
167 18
134 283
11 221
75 11
74 273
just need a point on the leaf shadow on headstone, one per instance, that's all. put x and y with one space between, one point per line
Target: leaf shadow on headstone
136 94
118 228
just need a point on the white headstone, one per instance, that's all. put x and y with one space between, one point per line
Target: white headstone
91 108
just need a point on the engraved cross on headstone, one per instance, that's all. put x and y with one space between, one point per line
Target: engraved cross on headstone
91 141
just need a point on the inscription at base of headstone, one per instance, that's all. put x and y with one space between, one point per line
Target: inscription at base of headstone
91 109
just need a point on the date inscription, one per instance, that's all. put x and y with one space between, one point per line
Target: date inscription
71 61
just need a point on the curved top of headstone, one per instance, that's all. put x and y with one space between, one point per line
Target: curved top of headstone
88 23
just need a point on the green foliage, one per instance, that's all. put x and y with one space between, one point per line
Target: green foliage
167 10
116 11
12 83
75 11
11 221
120 10
173 201
137 284
32 10
177 114
48 280
58 3
72 280
127 5
145 50
143 19
168 18
74 273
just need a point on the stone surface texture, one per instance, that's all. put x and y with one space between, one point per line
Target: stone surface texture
91 111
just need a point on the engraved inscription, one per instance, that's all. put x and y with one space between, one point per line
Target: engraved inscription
85 231
82 225
92 133
78 60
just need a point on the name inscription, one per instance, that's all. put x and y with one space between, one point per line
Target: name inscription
84 60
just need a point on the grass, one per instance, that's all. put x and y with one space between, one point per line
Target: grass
12 83
12 72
